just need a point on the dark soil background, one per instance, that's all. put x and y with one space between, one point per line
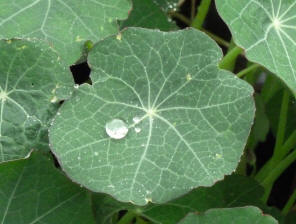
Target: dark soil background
287 182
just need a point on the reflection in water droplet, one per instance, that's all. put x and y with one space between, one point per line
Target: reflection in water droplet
137 130
116 129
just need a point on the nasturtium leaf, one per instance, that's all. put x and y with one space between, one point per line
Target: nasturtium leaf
233 191
66 24
33 80
266 30
188 121
244 215
34 191
147 14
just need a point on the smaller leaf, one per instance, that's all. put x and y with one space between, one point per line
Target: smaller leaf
147 14
266 30
66 24
34 191
169 5
33 80
244 215
233 191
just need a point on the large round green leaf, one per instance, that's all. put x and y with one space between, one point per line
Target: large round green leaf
33 191
67 24
187 121
244 215
266 30
32 81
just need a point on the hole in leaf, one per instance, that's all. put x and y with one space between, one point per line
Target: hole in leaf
81 73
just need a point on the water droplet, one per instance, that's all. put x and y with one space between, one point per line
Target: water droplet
136 120
218 156
137 130
78 158
116 129
76 86
96 153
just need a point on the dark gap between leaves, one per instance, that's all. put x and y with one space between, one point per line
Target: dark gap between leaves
213 22
81 73
56 162
264 151
283 187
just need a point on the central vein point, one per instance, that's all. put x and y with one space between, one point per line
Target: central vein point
276 23
151 112
3 95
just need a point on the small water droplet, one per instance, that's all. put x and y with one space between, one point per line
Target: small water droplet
76 86
78 158
116 129
136 120
96 153
137 130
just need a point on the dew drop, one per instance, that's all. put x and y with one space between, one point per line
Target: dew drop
78 158
116 129
96 153
137 130
136 120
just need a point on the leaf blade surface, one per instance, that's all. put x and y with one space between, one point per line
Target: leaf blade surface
185 136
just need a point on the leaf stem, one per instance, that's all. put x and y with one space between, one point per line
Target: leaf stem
218 39
278 170
127 218
247 70
282 124
279 152
181 17
139 220
202 12
193 6
289 203
285 149
227 60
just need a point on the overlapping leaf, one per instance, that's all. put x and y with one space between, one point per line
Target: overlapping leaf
233 191
245 215
32 81
168 5
188 121
147 14
266 30
34 191
66 24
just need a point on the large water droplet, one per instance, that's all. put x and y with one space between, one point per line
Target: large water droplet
116 129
